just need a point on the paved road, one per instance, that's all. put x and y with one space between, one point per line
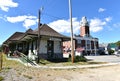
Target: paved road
105 58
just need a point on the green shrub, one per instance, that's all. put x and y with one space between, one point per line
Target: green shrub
1 78
0 48
78 59
110 52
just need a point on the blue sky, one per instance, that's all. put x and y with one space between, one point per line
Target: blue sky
20 15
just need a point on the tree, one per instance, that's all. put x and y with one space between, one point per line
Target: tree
0 48
110 52
118 44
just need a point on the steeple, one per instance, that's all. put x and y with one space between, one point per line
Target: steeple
84 22
84 27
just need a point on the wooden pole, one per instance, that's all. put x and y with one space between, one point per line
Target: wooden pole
72 45
38 47
1 60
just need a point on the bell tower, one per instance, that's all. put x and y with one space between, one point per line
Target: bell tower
84 27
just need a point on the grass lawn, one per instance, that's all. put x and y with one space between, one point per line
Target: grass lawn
11 63
32 73
67 63
18 69
14 64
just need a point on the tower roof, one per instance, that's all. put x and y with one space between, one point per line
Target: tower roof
84 22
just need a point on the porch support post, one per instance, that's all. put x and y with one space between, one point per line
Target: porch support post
61 48
95 46
86 46
90 46
16 47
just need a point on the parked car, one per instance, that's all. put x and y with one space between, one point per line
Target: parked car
118 54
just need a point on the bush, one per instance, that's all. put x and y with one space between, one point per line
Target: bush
78 59
110 52
1 78
0 48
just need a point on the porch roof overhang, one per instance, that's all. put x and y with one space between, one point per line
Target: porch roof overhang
55 37
45 30
27 37
12 41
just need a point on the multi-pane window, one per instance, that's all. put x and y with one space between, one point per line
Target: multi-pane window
88 44
79 41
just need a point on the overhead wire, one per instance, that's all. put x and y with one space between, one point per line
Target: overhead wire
55 17
47 5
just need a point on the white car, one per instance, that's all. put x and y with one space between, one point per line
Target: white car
118 54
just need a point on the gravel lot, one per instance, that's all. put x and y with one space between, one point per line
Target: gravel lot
23 73
104 58
109 73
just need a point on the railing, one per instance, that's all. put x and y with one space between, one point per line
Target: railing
25 59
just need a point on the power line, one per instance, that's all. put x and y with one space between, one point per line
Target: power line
49 15
49 4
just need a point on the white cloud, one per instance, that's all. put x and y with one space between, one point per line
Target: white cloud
101 10
6 4
27 20
16 19
96 25
108 19
116 25
20 18
1 17
63 26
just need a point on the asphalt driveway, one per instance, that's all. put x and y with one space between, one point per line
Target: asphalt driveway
104 58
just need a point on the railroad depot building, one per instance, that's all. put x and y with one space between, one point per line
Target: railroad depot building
50 43
83 42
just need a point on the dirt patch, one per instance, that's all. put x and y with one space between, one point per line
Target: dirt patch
15 71
110 73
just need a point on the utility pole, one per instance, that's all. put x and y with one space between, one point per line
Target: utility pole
38 45
72 45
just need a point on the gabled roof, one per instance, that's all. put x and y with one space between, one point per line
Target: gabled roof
15 37
29 31
45 30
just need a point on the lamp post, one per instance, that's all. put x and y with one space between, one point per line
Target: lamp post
72 45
